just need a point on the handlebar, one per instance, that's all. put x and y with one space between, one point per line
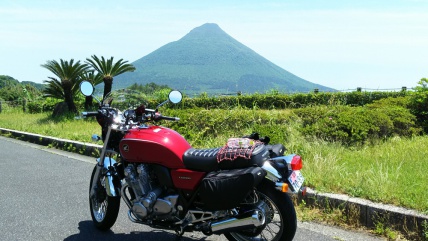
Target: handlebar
149 115
90 113
156 116
169 118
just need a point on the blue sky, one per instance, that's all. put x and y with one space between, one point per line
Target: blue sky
340 44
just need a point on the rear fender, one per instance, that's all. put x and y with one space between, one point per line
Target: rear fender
271 173
278 170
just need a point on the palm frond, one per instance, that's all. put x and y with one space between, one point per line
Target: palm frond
68 75
53 89
91 76
107 68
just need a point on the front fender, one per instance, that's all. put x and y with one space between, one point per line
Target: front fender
109 171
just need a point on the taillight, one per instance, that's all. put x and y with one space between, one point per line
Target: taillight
296 163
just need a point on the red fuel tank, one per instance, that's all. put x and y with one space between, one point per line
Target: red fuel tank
155 145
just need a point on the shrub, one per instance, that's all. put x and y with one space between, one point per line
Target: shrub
49 104
35 107
43 105
418 104
402 101
229 123
397 109
357 125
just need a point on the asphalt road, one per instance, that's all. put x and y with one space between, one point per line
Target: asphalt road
44 196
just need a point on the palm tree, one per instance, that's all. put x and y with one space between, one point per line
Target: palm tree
108 70
66 85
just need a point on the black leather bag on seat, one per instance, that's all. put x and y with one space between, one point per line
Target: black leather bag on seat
222 190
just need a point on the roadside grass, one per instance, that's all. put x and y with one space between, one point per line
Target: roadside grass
392 171
65 127
349 220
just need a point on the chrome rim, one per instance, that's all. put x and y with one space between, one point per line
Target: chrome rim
99 210
274 226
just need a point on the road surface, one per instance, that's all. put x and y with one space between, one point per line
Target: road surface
44 196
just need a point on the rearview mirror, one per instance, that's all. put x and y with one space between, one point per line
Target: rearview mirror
86 88
175 96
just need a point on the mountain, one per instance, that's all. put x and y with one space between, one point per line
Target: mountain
6 80
208 60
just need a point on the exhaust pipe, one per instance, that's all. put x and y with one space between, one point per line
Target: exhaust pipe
245 221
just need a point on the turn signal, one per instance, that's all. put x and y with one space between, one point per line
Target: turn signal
283 187
296 163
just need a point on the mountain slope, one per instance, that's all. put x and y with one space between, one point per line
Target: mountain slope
6 80
209 60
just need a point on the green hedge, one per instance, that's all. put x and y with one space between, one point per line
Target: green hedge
200 124
360 124
274 100
282 101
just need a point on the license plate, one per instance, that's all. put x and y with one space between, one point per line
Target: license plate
296 180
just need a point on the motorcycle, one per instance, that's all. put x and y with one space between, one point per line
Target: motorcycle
241 190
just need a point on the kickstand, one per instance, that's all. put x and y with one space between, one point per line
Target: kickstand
179 234
178 237
180 231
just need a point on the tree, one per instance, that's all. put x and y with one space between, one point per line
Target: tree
148 88
108 70
66 85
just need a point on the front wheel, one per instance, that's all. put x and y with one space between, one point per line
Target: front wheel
104 209
281 220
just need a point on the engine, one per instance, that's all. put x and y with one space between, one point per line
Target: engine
148 200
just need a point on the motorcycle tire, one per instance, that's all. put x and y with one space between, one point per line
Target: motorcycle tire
281 211
105 209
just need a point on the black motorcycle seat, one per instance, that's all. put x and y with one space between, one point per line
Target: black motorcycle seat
201 159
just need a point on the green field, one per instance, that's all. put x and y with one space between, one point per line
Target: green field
392 171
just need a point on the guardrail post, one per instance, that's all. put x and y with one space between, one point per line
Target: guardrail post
0 106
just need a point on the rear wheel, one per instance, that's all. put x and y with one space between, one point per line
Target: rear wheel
104 209
281 220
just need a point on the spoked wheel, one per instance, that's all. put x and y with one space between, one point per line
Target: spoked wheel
281 220
104 209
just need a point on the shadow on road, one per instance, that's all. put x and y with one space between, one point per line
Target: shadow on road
89 232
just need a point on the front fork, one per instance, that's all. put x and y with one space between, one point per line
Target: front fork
106 166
